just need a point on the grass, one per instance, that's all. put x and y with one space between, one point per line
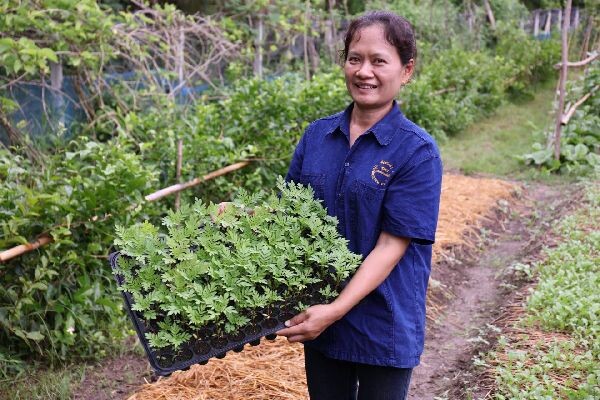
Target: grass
492 146
42 384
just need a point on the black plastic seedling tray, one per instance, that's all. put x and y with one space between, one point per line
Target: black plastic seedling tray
199 350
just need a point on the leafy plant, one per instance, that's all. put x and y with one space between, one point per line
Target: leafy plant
580 138
564 304
221 271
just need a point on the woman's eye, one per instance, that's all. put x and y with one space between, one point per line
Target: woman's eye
379 61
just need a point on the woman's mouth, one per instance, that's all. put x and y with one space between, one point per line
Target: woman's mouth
365 86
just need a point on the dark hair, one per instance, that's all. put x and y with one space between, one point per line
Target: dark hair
398 32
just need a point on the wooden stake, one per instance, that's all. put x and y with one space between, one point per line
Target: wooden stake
178 172
563 80
536 22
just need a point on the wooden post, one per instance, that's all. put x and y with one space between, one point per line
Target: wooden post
181 56
490 14
56 83
536 22
306 28
548 22
178 171
576 18
586 37
330 31
560 11
563 80
258 44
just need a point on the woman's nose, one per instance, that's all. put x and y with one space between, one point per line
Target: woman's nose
365 70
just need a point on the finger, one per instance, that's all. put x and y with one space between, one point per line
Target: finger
297 339
297 319
294 330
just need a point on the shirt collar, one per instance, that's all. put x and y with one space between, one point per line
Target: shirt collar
384 130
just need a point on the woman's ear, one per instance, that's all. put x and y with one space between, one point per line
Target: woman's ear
407 71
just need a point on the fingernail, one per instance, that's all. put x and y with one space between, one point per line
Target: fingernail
287 323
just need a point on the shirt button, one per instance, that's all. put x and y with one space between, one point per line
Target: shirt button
347 164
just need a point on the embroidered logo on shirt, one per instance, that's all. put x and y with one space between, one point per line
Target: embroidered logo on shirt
381 172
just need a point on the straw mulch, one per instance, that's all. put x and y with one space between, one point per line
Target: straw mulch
275 370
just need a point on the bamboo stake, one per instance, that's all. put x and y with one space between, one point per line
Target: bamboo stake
195 182
24 248
563 79
45 239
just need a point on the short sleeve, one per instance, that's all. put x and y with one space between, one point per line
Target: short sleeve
412 200
295 169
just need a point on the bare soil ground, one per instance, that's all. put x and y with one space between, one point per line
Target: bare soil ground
480 289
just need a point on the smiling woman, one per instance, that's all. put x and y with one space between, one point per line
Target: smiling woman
380 175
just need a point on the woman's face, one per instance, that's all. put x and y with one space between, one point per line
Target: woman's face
373 70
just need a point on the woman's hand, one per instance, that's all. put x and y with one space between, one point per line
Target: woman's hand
310 323
222 207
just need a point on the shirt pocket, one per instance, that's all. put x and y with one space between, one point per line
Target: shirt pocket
365 210
317 182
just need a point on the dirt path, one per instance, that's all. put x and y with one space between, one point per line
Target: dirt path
479 292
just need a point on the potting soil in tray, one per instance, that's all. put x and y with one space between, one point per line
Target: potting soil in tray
202 348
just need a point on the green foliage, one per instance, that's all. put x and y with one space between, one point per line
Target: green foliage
567 297
61 299
455 89
223 269
565 301
580 138
531 60
33 34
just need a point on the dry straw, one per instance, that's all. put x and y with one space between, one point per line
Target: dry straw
275 370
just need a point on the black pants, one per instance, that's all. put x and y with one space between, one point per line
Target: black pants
330 379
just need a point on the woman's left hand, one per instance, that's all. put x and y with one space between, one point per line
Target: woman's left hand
310 323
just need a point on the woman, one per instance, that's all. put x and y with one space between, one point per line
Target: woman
380 175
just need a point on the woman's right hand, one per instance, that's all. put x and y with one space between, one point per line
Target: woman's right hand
222 207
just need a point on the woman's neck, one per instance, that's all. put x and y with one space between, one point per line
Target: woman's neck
363 119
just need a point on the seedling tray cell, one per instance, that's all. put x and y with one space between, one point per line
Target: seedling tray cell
196 351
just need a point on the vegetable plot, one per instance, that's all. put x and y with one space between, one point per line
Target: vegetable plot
213 282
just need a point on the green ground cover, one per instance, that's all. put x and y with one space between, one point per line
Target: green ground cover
565 305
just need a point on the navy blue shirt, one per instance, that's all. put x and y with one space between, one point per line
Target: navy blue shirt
389 180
